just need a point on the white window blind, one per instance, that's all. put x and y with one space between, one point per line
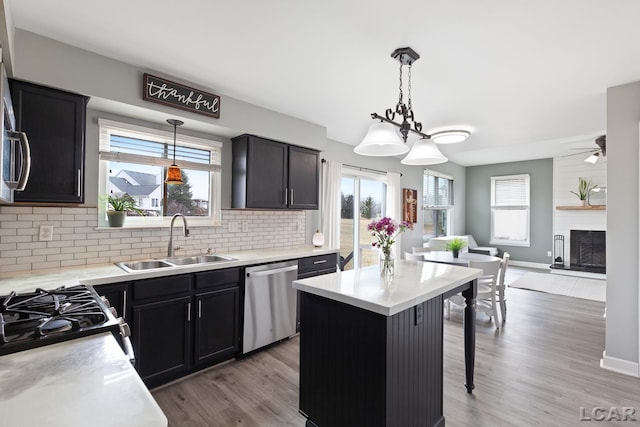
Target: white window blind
510 210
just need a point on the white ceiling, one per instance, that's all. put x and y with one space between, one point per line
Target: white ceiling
527 78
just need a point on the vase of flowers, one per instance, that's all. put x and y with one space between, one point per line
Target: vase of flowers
385 231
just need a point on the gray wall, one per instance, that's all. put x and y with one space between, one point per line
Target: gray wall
623 116
478 209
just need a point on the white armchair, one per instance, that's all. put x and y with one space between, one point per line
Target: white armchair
474 248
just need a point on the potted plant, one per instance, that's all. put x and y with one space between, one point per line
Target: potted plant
120 205
455 245
584 188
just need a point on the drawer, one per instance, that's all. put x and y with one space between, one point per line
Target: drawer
217 278
318 262
162 286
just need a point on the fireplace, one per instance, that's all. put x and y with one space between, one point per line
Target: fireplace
588 251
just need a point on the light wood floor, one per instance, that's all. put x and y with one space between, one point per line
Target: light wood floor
539 370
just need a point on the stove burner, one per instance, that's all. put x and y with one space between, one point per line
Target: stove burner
48 316
55 325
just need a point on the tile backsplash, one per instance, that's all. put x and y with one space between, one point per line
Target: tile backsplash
77 241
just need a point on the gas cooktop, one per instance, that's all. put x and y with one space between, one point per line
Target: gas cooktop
43 317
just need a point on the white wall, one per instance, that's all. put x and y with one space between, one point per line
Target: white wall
566 171
623 116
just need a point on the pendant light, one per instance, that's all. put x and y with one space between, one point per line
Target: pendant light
424 152
387 137
174 174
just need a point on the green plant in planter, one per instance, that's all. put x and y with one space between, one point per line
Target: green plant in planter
584 187
120 205
455 245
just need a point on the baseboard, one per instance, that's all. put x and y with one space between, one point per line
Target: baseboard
620 366
528 264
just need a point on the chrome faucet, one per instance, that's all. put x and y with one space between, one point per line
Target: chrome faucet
185 229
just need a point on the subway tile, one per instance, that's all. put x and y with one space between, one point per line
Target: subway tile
16 210
73 262
15 267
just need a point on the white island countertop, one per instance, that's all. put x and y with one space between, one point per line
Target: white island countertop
77 383
413 283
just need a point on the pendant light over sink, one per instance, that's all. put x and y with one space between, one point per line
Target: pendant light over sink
174 174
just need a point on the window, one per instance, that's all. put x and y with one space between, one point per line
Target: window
364 198
134 160
510 210
437 194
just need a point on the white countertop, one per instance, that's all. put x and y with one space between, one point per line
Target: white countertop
413 282
82 382
110 273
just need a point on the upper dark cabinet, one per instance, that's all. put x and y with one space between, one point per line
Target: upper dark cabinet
273 175
54 121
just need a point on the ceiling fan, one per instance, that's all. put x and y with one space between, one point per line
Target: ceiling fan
601 142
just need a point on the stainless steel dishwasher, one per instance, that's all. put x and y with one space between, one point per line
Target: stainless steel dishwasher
269 304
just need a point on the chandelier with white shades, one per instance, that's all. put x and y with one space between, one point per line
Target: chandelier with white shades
386 137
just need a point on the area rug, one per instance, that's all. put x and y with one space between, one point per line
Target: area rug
578 287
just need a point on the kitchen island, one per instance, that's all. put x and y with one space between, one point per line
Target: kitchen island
371 347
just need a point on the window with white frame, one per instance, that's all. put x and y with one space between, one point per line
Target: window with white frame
134 160
437 206
510 210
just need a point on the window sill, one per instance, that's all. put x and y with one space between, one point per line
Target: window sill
507 243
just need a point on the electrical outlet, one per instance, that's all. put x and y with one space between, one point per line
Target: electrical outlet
298 225
46 233
234 227
548 253
419 314
245 227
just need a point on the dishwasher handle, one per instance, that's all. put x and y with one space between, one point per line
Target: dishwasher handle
271 272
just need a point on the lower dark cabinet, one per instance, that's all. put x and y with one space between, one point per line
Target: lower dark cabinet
217 326
161 339
117 295
181 323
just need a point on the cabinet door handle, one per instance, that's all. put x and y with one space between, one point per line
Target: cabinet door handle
79 181
199 309
286 196
124 304
320 262
291 197
188 312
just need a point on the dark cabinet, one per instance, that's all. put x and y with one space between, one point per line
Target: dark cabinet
182 323
269 174
117 295
311 267
161 327
54 121
161 339
217 321
217 326
303 178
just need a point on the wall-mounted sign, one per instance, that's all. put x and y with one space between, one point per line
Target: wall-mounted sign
410 205
163 91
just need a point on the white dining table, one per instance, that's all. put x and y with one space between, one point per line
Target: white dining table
463 259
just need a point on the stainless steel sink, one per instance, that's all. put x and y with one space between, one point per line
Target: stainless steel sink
143 265
154 264
199 259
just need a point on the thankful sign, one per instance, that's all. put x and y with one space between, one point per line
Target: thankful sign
162 91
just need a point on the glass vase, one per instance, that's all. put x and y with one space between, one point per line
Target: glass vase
387 263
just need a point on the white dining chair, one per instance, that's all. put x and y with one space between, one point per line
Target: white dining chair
500 287
486 299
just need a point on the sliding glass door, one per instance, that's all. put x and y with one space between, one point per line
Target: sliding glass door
364 196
